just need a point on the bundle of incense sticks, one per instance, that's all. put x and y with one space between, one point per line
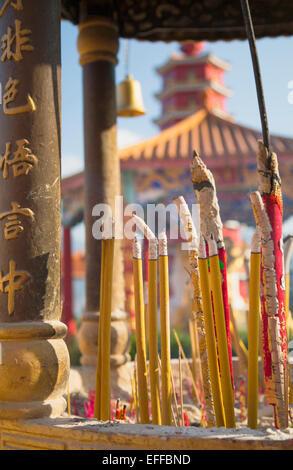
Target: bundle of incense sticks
140 332
103 385
197 308
268 212
152 318
211 226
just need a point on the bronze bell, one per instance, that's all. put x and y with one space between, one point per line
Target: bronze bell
129 98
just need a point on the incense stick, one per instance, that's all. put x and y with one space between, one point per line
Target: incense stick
97 407
153 319
106 332
140 333
172 411
210 335
253 331
272 299
225 376
197 309
210 224
165 331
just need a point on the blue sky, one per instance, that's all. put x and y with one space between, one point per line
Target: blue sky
276 61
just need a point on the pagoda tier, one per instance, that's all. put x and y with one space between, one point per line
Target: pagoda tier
191 81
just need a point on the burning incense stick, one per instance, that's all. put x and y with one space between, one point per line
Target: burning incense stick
211 224
153 319
105 317
225 376
97 409
140 333
197 309
253 330
272 300
210 335
165 331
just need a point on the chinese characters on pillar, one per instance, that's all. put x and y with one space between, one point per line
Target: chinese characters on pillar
16 158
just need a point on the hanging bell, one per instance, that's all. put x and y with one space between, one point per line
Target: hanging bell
129 98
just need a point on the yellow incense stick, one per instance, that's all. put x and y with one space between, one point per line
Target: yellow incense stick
152 319
225 376
97 408
140 334
173 414
211 339
165 332
106 332
253 339
153 342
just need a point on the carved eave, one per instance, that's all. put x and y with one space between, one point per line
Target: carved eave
185 20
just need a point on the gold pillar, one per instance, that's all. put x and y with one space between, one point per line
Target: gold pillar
98 46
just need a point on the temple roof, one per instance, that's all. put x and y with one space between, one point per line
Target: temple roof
184 59
227 148
185 20
216 139
219 141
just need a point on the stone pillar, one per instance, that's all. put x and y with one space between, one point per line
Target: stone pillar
34 360
98 47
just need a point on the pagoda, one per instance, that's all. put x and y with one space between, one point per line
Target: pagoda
191 80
